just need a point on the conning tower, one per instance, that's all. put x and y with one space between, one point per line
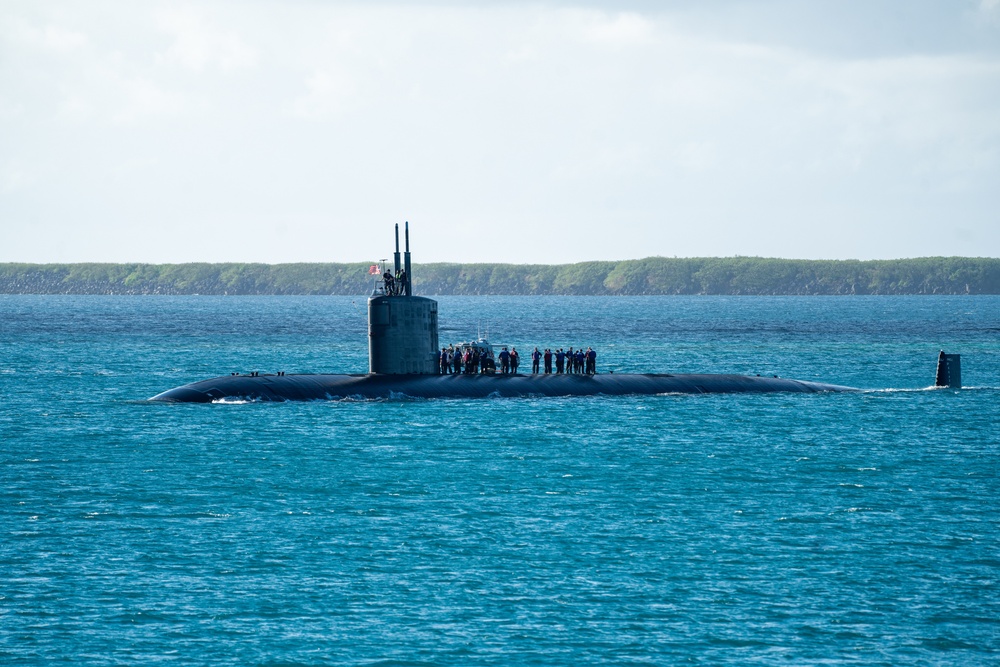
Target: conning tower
402 328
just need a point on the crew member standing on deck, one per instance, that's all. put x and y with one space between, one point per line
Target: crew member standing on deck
560 361
504 361
515 360
591 361
536 358
548 361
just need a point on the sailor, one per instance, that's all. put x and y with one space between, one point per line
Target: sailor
504 361
591 361
442 359
515 360
488 363
536 358
578 359
389 283
458 360
548 360
560 361
569 360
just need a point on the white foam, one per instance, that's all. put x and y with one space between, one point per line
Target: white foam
913 390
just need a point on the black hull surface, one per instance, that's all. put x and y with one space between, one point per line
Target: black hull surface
327 387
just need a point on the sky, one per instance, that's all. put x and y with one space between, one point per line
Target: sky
522 132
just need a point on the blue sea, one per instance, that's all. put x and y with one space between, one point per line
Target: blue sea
785 529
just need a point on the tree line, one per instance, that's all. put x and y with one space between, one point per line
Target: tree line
653 275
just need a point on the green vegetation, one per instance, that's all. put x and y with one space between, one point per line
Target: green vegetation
654 275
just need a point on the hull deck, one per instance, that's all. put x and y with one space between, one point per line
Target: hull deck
329 387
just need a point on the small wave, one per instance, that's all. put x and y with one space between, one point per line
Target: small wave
353 398
913 390
400 396
893 390
232 400
358 398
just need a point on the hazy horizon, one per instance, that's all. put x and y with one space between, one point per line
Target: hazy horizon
582 261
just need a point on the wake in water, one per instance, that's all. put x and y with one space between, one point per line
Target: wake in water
912 390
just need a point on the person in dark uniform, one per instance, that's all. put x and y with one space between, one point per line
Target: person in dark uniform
548 360
458 360
536 358
504 361
442 359
560 361
591 361
569 360
515 360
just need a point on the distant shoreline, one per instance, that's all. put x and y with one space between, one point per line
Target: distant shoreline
650 276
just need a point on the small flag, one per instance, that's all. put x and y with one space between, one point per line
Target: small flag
373 270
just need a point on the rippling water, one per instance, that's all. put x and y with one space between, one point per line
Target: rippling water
777 529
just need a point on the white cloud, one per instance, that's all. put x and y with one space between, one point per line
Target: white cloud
140 98
330 91
197 44
928 108
14 177
62 40
50 37
626 29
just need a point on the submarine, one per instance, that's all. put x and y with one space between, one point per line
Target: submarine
403 362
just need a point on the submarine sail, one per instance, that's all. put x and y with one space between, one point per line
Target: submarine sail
402 328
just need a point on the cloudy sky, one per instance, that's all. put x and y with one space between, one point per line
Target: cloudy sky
553 132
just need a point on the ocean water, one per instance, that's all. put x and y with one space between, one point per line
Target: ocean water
719 530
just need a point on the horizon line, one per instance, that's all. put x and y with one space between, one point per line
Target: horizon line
586 261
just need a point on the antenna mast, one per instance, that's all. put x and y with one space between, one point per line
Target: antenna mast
406 266
395 257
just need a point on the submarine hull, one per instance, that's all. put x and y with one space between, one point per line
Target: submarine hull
329 387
